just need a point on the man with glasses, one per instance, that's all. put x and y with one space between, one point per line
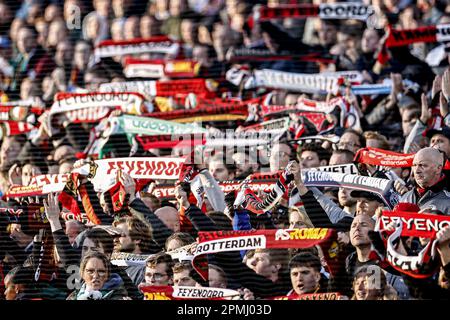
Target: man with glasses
280 154
158 270
351 140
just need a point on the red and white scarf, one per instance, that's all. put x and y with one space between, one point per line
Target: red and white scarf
141 68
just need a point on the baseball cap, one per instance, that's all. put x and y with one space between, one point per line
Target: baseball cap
445 131
366 194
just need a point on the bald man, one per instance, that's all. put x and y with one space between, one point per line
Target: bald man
170 217
430 192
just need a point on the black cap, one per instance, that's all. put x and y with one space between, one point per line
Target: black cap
366 194
445 131
344 224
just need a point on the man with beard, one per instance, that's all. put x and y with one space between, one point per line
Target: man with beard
136 237
245 165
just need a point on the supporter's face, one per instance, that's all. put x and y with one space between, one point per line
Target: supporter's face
176 7
25 89
187 31
440 142
89 245
349 141
200 54
345 199
9 150
10 289
72 231
336 159
116 31
359 230
92 28
263 266
118 8
173 244
243 165
367 207
426 171
25 41
216 280
157 276
81 56
56 34
359 287
296 221
65 167
131 29
304 279
183 279
64 54
147 27
309 159
15 27
369 41
95 274
373 143
279 157
162 5
170 217
327 34
28 172
124 242
102 7
409 118
219 171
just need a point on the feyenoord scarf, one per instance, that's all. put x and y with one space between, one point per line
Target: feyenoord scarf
437 33
18 113
185 292
123 259
409 224
168 192
94 106
338 10
140 68
253 203
298 82
252 54
152 88
13 128
311 296
224 241
380 157
382 187
160 44
39 185
152 126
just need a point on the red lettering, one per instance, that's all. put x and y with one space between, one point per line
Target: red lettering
111 167
170 168
130 166
140 167
150 167
160 167
120 165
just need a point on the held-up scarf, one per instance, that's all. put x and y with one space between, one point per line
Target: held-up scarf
224 241
151 88
13 128
250 201
160 44
310 296
424 264
437 33
338 10
382 187
185 292
380 157
141 68
300 82
251 54
10 113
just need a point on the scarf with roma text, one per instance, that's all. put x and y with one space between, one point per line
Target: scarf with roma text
142 68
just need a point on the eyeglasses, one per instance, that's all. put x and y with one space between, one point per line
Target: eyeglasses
156 276
100 272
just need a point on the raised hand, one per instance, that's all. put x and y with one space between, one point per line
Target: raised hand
128 183
426 112
52 211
